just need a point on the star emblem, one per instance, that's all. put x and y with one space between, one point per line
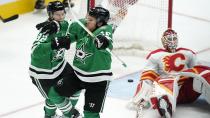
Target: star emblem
81 55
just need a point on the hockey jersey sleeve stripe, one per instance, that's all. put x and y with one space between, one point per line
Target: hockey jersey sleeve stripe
149 75
150 72
93 75
44 72
200 68
147 78
166 89
196 70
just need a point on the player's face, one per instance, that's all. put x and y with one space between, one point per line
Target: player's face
59 15
91 23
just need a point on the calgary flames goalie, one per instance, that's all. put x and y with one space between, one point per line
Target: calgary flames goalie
171 76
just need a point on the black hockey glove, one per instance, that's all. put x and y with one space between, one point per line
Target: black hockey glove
101 42
49 27
61 42
41 25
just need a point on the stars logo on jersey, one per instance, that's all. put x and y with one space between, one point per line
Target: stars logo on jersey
59 54
81 55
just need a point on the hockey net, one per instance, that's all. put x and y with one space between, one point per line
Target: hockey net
140 23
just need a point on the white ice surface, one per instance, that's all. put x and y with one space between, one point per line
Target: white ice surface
18 93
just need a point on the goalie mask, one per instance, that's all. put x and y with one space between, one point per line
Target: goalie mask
170 40
101 14
53 7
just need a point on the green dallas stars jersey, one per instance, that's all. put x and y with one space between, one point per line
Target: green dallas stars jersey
91 64
45 62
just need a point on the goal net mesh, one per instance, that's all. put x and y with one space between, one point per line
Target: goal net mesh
140 23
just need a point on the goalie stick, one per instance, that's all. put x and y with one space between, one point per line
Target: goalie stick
139 111
10 18
92 35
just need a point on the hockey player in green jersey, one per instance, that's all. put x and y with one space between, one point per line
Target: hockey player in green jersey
91 64
48 65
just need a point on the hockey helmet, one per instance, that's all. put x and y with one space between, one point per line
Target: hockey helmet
101 14
170 40
54 6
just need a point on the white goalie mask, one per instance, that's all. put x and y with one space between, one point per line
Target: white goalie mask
170 40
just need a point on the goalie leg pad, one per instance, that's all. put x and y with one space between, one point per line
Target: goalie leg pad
142 95
201 84
197 85
168 87
143 92
163 106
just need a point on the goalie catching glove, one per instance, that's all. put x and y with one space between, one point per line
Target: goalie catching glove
101 42
61 42
48 27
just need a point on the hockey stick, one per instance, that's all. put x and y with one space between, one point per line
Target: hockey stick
139 111
92 35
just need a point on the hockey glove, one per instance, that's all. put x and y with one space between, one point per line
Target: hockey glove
101 42
49 27
41 25
61 42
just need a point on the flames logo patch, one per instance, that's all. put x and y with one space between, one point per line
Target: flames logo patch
173 62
